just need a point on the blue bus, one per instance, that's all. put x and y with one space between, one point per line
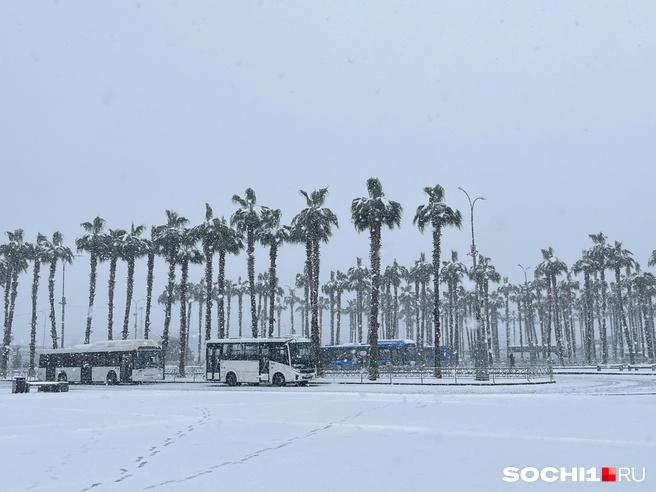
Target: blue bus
355 356
429 355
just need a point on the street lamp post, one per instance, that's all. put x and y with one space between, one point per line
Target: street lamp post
481 359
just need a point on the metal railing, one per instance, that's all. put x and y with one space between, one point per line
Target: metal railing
450 375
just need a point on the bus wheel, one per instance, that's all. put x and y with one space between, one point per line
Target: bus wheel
278 379
231 379
62 376
111 378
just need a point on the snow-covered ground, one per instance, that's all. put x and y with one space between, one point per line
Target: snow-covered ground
331 437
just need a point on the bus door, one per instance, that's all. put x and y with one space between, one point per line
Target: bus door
126 368
50 370
215 365
265 358
86 372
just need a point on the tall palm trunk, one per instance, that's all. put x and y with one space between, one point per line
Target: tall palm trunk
557 327
35 294
603 333
240 305
589 327
625 327
51 302
359 308
228 313
273 283
375 285
10 320
110 290
220 305
200 329
149 293
167 313
6 339
250 251
315 334
417 311
453 313
437 370
291 316
8 278
339 316
128 299
395 313
92 294
208 252
183 315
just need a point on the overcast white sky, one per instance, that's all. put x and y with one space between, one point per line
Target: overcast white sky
124 109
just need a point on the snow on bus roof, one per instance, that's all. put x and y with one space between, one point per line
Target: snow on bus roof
260 340
106 346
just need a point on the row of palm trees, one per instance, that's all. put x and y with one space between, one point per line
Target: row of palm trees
545 307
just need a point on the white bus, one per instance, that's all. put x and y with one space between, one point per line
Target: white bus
277 361
111 362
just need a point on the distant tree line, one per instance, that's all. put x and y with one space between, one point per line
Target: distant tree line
597 310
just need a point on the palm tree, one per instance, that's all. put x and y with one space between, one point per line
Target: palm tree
483 274
273 235
358 277
55 251
246 220
587 265
226 240
452 273
229 293
330 288
407 300
505 291
341 284
371 213
167 240
129 249
302 281
114 240
37 253
618 259
551 267
599 254
315 224
207 236
93 242
241 288
394 274
187 253
644 284
150 249
290 300
439 215
16 254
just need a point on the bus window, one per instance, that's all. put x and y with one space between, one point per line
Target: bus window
147 359
277 353
251 352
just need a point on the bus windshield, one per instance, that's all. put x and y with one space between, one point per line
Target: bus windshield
148 359
301 353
